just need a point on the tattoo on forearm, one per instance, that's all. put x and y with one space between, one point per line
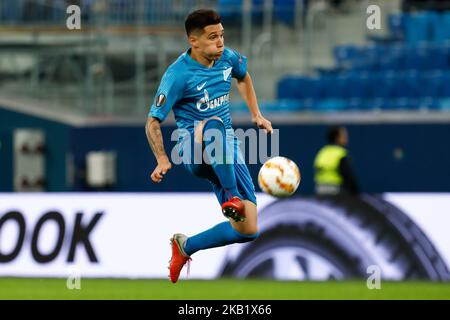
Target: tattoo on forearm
155 140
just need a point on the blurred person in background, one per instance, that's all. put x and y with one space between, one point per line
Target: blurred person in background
332 166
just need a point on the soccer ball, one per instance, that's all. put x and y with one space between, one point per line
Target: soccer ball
279 177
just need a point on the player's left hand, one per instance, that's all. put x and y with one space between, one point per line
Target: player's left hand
263 123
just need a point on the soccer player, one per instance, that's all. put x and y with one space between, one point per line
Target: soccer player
196 87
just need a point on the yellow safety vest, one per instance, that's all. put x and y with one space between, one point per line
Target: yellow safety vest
326 165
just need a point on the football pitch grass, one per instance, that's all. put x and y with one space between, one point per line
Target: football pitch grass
20 288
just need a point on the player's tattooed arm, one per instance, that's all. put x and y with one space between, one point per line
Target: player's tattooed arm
247 92
154 137
155 140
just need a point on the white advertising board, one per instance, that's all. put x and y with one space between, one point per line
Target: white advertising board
127 235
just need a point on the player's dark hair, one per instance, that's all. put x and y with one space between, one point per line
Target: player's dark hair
199 19
333 133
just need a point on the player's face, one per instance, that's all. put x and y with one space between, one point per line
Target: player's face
211 42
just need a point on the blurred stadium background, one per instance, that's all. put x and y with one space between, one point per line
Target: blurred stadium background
76 199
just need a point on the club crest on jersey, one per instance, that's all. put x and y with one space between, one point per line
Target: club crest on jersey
226 73
205 104
161 100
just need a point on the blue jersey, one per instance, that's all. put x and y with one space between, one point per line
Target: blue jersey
195 92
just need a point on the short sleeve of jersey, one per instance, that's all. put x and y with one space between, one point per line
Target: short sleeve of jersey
169 92
239 63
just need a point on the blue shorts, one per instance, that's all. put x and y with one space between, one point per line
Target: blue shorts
203 170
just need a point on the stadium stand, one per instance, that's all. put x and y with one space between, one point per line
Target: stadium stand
410 71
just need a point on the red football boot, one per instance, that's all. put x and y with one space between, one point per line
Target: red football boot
179 257
234 209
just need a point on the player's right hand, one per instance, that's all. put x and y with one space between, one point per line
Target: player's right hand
161 169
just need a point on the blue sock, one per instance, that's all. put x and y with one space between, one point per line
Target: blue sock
224 167
218 236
